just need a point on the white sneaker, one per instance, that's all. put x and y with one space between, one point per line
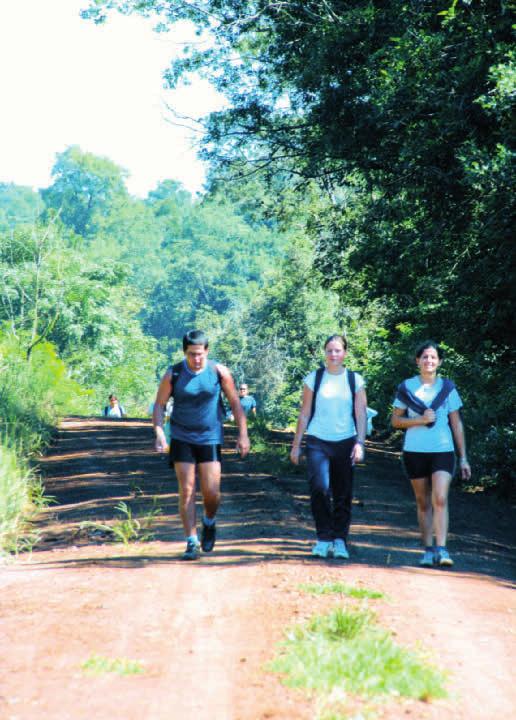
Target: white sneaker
323 549
340 550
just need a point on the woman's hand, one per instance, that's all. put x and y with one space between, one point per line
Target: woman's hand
428 416
357 453
295 454
243 445
465 469
161 444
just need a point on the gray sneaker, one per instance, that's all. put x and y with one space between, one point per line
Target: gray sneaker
192 552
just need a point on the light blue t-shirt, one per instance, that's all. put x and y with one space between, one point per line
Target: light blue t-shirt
333 418
438 438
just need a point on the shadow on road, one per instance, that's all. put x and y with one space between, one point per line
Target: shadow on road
94 464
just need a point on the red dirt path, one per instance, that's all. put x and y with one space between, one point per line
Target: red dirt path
204 631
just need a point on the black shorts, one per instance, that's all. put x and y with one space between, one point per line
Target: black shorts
421 464
191 453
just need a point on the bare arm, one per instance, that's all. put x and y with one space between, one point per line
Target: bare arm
158 413
302 423
460 443
401 422
229 389
357 454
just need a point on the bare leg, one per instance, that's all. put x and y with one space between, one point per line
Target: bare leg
440 486
423 491
186 480
209 477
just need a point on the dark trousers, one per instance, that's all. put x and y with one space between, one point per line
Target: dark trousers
330 478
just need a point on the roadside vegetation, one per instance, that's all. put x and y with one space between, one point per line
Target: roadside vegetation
32 394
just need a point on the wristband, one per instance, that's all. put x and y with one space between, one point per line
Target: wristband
463 461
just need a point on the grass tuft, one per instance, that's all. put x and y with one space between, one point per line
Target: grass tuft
341 589
128 528
99 665
347 650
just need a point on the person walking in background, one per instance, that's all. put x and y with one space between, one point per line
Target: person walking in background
114 409
247 401
196 434
333 414
427 408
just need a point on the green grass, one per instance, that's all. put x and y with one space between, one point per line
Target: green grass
338 588
21 496
99 665
127 528
14 497
347 651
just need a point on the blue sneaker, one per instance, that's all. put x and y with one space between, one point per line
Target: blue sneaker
442 558
192 551
427 559
340 551
322 549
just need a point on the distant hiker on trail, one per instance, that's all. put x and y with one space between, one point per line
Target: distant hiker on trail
114 409
196 429
333 413
247 401
427 407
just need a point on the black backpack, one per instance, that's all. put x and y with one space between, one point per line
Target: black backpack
317 384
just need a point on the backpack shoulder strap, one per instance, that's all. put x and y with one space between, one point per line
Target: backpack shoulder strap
317 384
352 386
213 365
175 372
223 408
352 382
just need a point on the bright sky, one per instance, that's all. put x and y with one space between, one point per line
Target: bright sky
66 81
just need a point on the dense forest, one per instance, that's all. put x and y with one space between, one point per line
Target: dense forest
360 181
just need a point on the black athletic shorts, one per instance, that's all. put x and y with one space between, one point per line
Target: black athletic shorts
191 453
421 464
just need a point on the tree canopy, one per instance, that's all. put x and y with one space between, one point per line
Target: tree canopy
401 113
360 180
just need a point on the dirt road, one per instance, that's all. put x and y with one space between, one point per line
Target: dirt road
203 632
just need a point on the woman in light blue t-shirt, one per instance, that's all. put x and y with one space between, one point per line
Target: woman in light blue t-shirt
432 434
336 429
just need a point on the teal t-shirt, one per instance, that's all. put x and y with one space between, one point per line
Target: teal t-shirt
197 412
248 403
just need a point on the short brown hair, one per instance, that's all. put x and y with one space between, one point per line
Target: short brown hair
341 339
